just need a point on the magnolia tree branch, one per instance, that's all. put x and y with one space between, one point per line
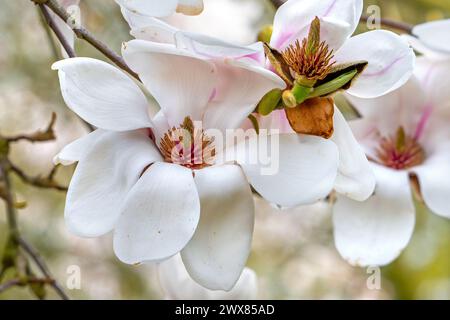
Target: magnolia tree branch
401 26
51 23
18 252
84 34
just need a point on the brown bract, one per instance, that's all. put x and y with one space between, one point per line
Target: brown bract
313 117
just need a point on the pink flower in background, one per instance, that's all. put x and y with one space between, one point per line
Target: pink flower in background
126 179
178 285
407 138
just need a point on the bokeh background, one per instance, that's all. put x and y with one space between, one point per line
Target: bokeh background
293 251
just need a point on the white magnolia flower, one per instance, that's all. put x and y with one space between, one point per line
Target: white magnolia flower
432 39
126 179
178 285
161 8
407 137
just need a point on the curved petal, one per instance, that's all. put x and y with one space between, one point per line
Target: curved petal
391 62
355 177
433 35
434 182
178 285
159 215
218 252
152 8
104 175
152 29
241 86
289 169
293 18
182 84
75 150
374 232
102 95
211 47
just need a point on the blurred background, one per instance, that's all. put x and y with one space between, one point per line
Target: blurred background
293 251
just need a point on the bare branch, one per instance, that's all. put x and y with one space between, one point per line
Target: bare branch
47 182
401 26
51 23
86 35
46 135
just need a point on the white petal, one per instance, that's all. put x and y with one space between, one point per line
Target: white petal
391 62
355 177
152 8
75 150
104 175
181 84
374 232
152 29
210 47
434 35
190 7
289 169
218 252
435 183
292 19
102 95
241 86
159 215
178 285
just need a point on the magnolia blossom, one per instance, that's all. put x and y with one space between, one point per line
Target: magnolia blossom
161 196
407 137
158 8
431 39
178 285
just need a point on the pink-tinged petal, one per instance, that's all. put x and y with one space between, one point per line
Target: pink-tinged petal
374 232
288 169
159 215
293 19
434 180
355 177
391 62
182 84
434 35
178 285
102 95
106 172
151 8
241 86
218 252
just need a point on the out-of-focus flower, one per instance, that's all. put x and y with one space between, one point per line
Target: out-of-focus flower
162 194
178 285
407 137
158 8
72 6
432 39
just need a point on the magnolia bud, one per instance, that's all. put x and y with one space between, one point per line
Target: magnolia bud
289 99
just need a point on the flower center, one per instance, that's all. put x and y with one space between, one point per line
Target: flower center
188 146
310 59
400 151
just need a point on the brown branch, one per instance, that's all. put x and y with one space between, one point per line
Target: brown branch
86 35
46 135
40 263
51 23
24 282
47 182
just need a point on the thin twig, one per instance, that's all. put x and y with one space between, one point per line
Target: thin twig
51 23
23 282
9 284
10 208
40 263
86 35
47 182
48 32
38 136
